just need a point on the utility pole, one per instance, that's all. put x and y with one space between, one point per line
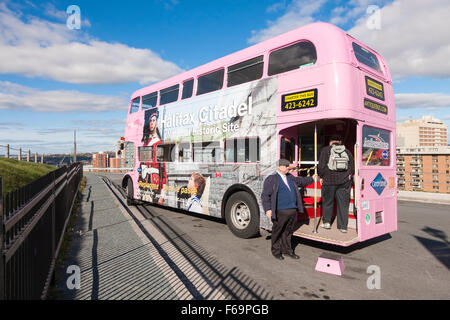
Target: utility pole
7 151
74 146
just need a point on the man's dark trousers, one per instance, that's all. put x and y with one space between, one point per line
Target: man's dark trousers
282 231
340 192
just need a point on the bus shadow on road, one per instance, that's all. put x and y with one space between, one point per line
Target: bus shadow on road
215 280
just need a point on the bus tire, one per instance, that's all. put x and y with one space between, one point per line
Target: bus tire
241 215
130 192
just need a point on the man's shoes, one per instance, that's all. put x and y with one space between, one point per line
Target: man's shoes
343 230
326 225
278 256
292 255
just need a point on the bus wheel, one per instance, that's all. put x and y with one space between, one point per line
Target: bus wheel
130 193
241 215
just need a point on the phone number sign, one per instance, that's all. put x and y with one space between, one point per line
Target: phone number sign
299 100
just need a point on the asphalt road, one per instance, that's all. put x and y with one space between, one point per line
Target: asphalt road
414 261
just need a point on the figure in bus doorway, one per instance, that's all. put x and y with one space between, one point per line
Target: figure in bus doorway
335 169
153 172
281 201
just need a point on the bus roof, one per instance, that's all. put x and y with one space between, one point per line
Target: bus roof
330 42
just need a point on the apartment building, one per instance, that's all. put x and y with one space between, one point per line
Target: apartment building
424 169
425 132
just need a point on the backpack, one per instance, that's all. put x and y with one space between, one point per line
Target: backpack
338 158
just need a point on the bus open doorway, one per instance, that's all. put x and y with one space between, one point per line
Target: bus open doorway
299 145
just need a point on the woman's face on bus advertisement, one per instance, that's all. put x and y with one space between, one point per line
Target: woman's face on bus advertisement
152 124
191 183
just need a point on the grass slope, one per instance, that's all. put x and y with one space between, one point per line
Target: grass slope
16 174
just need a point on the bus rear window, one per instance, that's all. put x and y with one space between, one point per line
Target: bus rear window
292 57
149 100
366 57
210 82
375 147
246 71
135 105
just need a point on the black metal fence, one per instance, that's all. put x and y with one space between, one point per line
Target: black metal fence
32 223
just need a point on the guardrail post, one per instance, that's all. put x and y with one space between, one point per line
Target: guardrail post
2 257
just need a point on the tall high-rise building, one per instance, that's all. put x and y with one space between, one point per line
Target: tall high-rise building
425 132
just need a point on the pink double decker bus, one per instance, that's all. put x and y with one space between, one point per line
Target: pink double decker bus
205 140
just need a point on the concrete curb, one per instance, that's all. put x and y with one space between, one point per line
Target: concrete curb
426 197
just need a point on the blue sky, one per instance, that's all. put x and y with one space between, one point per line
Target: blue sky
54 80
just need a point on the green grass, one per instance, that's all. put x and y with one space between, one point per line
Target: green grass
16 174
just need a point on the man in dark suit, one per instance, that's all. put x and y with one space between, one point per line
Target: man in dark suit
281 200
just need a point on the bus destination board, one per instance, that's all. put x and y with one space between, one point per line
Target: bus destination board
374 88
375 106
299 100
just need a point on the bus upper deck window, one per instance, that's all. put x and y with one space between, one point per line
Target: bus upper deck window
188 87
292 57
135 104
210 82
169 95
149 100
245 71
366 57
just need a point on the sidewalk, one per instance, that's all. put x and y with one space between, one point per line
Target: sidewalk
122 254
429 197
114 262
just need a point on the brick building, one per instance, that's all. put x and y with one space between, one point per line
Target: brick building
100 160
424 169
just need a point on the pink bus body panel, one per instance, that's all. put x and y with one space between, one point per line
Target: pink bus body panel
340 81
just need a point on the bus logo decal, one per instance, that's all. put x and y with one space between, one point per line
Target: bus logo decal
299 100
372 105
374 88
378 184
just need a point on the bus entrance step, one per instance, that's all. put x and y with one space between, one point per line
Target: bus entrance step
330 263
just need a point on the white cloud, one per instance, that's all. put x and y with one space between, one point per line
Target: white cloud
430 101
414 37
39 48
17 97
298 13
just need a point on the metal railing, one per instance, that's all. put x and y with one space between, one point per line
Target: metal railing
32 224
